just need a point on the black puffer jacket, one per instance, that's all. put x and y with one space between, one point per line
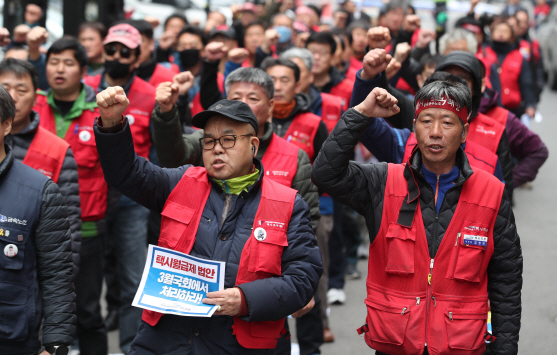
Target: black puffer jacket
362 188
68 181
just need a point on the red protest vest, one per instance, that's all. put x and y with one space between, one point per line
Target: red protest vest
260 259
161 75
195 105
499 114
46 153
486 132
302 132
138 113
331 109
353 66
510 75
344 91
478 156
413 299
81 138
280 161
487 64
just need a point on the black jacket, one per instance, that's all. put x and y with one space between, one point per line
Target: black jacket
362 188
67 181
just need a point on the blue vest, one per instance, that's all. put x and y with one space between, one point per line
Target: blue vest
21 191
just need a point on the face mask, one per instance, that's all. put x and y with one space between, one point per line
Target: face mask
189 57
116 70
501 46
285 34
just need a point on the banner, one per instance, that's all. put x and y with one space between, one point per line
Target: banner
176 283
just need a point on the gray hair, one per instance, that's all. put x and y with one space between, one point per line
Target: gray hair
302 53
459 34
7 106
252 76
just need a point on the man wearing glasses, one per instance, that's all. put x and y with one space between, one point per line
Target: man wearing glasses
261 229
127 225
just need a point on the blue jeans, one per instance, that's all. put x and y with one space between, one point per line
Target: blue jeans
127 228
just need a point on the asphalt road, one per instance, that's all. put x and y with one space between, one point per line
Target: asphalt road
535 210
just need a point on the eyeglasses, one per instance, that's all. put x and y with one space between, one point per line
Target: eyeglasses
125 52
227 141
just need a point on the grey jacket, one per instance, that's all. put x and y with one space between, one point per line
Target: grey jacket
175 149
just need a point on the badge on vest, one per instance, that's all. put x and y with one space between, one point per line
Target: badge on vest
131 119
474 240
10 250
85 136
260 234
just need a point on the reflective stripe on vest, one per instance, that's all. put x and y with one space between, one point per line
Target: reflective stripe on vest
138 113
81 138
260 258
302 131
280 161
510 77
46 153
478 156
486 132
331 109
412 299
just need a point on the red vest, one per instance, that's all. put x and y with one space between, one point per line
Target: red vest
344 91
412 299
259 260
138 113
510 76
81 138
46 153
195 105
499 114
161 75
486 132
478 156
331 110
487 64
280 161
401 84
353 66
530 49
302 132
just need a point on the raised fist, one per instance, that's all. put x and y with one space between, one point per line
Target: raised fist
379 103
301 40
153 21
271 39
20 33
4 37
378 37
183 81
238 55
166 96
215 51
393 68
36 37
425 37
112 103
411 23
375 61
167 40
402 50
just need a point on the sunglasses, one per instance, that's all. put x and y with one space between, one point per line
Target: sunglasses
125 52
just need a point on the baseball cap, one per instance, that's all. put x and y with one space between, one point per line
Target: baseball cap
236 110
248 6
124 33
224 30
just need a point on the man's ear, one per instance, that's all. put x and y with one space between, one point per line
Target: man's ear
465 133
7 125
271 108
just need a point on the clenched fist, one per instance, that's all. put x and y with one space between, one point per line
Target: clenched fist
402 50
379 103
271 39
375 61
411 23
167 40
238 55
36 37
215 51
184 81
425 37
378 37
4 37
112 103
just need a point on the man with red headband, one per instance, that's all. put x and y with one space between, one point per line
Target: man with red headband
444 245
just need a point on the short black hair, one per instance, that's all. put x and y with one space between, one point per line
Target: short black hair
338 33
7 106
356 24
273 62
175 15
255 23
315 9
68 42
196 31
445 84
324 37
96 26
429 60
20 68
144 27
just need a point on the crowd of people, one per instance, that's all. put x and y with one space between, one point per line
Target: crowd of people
333 124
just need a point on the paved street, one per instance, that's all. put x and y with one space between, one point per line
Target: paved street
535 210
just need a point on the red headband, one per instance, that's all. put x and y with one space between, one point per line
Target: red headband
444 103
472 28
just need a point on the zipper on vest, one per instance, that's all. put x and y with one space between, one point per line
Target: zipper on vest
417 301
437 190
429 291
430 272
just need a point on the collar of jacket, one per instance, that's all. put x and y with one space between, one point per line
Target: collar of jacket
6 164
253 189
413 172
85 101
146 70
32 127
489 100
335 77
266 139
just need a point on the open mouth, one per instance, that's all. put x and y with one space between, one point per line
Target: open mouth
435 148
59 80
218 163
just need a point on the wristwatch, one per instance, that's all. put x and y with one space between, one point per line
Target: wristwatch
57 349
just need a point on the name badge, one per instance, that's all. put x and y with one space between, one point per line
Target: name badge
474 240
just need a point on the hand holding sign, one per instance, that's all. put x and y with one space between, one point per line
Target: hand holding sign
229 300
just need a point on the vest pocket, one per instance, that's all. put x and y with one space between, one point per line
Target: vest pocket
467 258
13 312
12 236
267 253
465 328
175 220
387 322
400 254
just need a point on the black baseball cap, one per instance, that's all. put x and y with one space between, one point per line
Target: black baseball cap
236 110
